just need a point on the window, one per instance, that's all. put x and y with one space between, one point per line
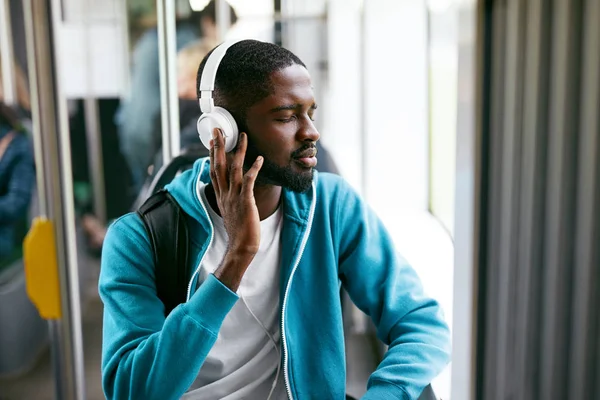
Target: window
443 73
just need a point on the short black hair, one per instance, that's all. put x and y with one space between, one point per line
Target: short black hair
244 75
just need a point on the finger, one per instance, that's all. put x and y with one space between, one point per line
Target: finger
219 160
236 170
250 177
213 176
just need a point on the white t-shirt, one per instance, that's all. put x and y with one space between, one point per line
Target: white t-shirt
243 362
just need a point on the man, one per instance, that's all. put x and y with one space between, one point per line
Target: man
271 241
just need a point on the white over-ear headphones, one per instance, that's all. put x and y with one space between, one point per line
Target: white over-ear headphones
215 117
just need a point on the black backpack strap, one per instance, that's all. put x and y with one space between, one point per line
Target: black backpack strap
166 225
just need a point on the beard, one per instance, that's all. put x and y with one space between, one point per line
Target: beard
274 174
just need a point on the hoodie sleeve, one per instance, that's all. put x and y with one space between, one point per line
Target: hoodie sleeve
144 354
387 289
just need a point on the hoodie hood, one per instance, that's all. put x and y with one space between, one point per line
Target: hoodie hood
186 190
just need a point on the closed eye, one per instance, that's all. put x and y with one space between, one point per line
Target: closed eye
286 120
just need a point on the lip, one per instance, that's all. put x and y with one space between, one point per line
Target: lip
307 158
308 153
307 162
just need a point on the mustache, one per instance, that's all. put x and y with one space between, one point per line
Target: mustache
302 151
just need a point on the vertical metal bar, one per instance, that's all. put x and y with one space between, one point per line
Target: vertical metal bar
287 25
561 169
92 129
167 50
223 18
597 350
508 212
596 260
509 197
287 17
7 55
585 278
533 160
278 26
95 156
123 12
51 139
38 145
496 129
469 175
364 104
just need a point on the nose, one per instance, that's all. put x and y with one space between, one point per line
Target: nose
308 131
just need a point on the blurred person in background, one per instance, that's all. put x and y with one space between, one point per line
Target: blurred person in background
137 116
22 109
188 60
17 179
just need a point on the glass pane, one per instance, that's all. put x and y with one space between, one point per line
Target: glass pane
443 73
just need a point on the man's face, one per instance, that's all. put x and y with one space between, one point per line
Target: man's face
281 129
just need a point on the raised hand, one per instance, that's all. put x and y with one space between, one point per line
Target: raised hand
234 192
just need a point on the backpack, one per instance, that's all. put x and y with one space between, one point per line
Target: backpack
166 226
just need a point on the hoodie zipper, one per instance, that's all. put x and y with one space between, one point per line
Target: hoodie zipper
287 290
212 233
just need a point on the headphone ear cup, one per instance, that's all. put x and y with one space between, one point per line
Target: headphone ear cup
222 119
230 128
205 128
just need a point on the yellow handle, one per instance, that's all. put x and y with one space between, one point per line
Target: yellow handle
41 268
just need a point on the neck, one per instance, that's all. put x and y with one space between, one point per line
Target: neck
267 198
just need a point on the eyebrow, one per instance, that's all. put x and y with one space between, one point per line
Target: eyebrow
291 107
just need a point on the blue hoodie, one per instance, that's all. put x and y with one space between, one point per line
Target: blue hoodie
329 237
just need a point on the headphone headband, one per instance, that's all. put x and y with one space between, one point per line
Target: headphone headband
209 75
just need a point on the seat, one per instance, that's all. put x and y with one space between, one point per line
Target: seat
23 333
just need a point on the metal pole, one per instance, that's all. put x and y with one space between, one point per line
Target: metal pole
364 104
55 187
287 25
126 48
7 55
278 27
167 50
95 156
93 131
223 18
469 172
